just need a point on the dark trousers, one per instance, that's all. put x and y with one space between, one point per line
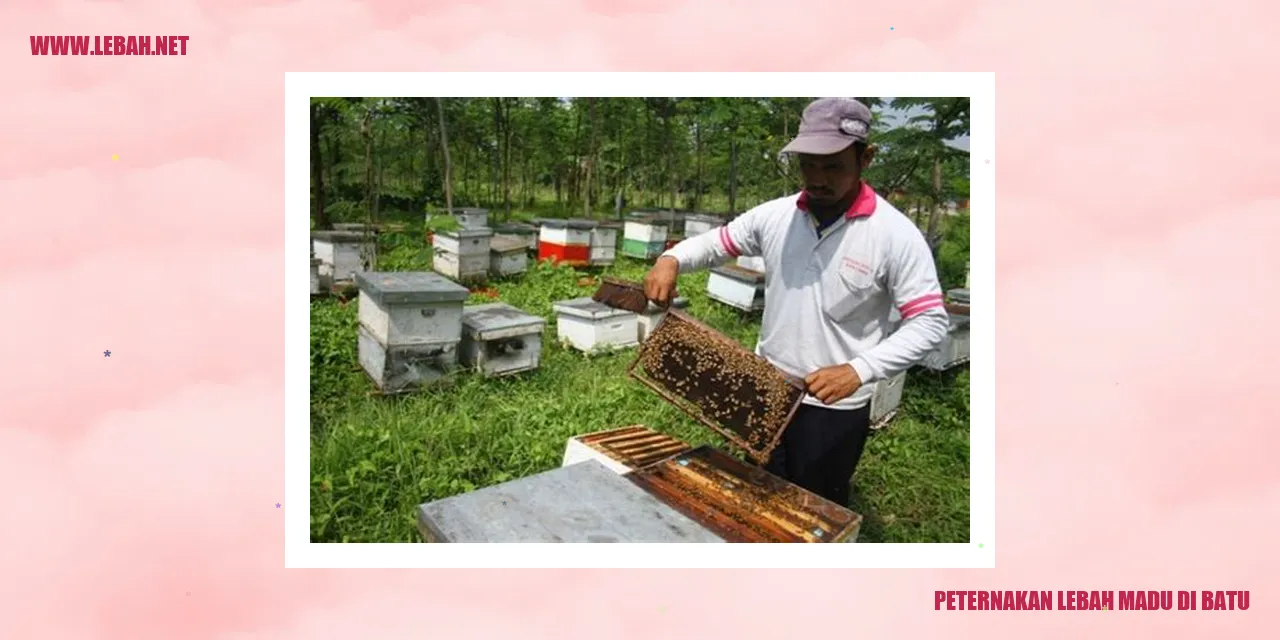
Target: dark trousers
820 450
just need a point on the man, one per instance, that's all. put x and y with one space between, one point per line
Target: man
838 260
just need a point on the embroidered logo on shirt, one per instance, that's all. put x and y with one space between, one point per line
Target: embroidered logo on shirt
857 265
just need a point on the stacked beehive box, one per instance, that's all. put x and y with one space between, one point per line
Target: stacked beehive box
462 254
499 339
410 327
565 241
644 238
508 256
700 223
737 287
591 326
472 217
342 254
525 233
604 244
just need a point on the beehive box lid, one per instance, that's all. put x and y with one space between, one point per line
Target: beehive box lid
744 503
507 244
588 309
409 287
650 220
498 316
469 211
515 228
678 303
584 502
560 223
718 382
456 234
739 273
338 237
959 295
609 224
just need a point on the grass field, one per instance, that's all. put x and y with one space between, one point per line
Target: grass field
375 459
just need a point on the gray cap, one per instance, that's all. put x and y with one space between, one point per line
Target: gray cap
830 125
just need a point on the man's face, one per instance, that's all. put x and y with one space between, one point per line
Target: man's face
829 179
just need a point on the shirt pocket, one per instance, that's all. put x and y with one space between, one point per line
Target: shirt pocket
847 286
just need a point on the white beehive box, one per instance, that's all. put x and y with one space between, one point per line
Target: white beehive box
499 339
885 400
340 253
954 349
604 244
646 322
463 242
590 326
471 217
526 233
508 256
462 269
737 287
646 231
566 233
754 263
315 276
699 223
410 327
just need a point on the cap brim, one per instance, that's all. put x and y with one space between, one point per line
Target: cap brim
818 145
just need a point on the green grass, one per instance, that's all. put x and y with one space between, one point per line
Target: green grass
375 459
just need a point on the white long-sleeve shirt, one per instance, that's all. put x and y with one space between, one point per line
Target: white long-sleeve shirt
828 294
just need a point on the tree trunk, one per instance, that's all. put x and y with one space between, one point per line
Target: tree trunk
697 146
671 150
936 216
733 174
448 165
591 159
317 169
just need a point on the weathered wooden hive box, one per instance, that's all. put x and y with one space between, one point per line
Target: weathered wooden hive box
567 241
718 382
591 326
644 238
743 503
508 256
410 327
699 223
471 217
653 314
737 287
342 253
316 288
604 244
526 233
885 400
958 302
954 350
499 339
622 450
462 254
584 502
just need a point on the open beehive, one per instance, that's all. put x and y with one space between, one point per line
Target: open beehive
719 383
623 450
742 503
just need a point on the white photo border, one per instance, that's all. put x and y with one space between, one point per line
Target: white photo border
300 552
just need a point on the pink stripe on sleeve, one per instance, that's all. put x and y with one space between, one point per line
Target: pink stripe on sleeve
728 244
920 305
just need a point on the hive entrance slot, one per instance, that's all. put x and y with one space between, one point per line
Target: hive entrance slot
718 382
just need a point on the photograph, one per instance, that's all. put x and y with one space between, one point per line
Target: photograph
639 319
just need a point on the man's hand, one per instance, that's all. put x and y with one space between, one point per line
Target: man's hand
833 384
660 282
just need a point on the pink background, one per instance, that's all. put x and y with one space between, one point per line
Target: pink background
1138 246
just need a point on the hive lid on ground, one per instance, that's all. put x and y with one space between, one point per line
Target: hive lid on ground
718 382
466 234
498 316
583 502
744 503
678 303
588 309
741 274
409 287
338 236
507 244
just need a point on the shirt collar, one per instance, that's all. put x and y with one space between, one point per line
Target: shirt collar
864 204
